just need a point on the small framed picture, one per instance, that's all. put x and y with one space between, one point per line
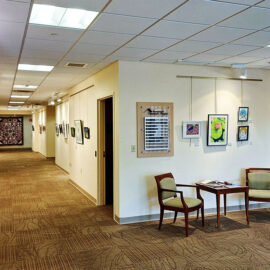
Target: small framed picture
57 129
86 133
217 130
79 131
72 131
191 129
243 114
243 132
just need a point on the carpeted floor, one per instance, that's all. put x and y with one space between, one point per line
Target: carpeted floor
46 224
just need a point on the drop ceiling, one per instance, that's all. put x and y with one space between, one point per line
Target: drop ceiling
206 32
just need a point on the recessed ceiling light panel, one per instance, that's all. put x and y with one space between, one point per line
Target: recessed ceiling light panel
15 96
21 86
62 17
35 67
16 102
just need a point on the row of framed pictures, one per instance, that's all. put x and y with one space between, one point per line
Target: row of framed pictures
217 134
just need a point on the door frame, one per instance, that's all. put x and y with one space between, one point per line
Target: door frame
101 166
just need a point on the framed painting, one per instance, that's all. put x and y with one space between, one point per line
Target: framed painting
66 131
72 131
78 131
86 133
242 134
11 131
191 129
56 129
60 128
40 129
243 114
217 130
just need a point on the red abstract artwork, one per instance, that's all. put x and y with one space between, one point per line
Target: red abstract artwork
11 131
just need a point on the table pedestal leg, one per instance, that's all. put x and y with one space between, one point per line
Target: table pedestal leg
218 210
225 204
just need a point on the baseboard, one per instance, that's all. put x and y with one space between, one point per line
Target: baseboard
85 193
144 218
117 219
62 169
27 149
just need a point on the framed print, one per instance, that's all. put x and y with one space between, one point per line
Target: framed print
67 129
57 129
191 129
43 128
217 130
60 129
72 131
86 133
11 131
78 131
243 114
243 132
40 129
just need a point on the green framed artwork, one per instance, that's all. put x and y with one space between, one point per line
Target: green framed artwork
217 130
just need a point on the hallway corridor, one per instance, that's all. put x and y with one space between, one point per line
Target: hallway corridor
46 224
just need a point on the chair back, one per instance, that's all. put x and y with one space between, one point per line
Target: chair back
165 181
258 178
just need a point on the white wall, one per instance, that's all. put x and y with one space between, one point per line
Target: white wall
148 82
61 143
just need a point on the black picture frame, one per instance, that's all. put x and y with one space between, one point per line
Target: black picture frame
72 131
243 133
243 114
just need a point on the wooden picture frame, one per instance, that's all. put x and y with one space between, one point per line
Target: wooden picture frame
217 134
191 129
155 129
243 133
243 114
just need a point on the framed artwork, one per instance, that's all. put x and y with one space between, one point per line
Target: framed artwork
40 129
60 129
86 133
217 129
33 128
72 131
78 131
11 131
43 128
243 132
191 129
57 129
243 114
66 131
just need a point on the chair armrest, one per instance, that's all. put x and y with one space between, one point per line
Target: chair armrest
182 185
177 191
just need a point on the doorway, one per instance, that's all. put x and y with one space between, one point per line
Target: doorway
105 151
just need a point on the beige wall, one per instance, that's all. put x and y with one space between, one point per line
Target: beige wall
82 105
148 82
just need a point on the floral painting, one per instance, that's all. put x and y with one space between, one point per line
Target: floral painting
217 129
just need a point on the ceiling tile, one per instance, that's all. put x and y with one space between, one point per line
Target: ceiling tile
133 52
239 60
254 18
50 33
195 12
221 34
47 45
155 43
82 58
9 52
168 57
93 49
121 24
261 63
207 57
176 30
231 49
37 61
29 77
193 46
41 54
13 11
261 38
260 53
265 3
243 2
105 38
93 5
142 8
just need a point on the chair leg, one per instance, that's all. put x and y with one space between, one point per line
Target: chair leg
202 209
186 223
175 216
198 213
161 217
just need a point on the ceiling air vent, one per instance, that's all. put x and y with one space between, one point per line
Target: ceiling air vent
76 65
23 91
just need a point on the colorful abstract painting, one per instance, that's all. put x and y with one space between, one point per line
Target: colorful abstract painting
191 129
11 130
217 129
243 114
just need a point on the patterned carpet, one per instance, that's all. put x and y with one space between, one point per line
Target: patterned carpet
46 224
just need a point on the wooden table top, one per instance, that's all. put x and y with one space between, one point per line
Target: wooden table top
223 189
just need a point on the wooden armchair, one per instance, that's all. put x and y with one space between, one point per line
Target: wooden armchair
258 180
168 200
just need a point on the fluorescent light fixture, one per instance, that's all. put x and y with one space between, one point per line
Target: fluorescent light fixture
16 102
22 86
62 17
35 67
13 109
15 96
243 74
59 100
51 103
